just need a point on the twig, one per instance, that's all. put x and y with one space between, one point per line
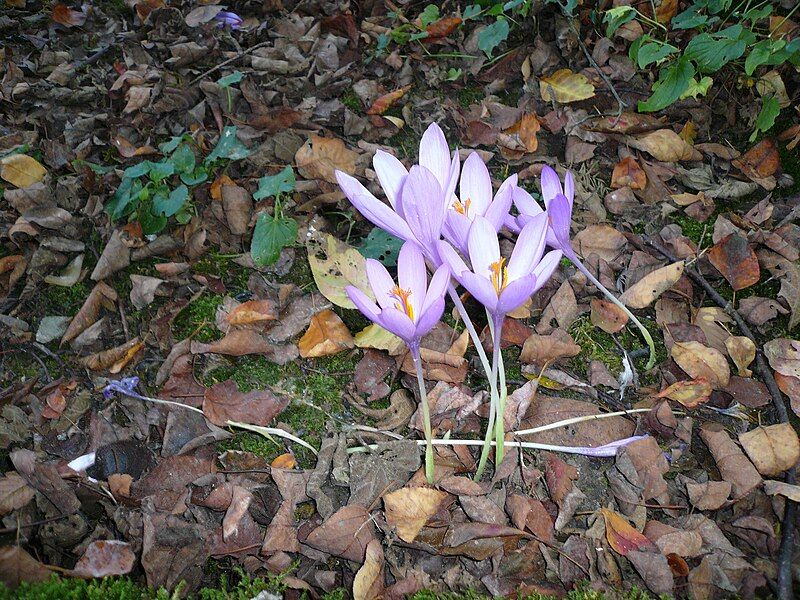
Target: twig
603 76
784 584
229 61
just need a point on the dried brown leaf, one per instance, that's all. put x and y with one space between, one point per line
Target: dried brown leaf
409 508
224 402
772 449
326 335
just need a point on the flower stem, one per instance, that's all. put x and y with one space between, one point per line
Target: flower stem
426 413
476 340
499 369
570 254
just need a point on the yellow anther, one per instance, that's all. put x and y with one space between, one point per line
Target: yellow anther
462 208
403 300
499 276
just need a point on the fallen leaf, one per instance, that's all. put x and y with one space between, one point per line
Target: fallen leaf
627 172
376 337
791 387
735 259
792 492
17 566
14 492
565 86
442 28
772 449
335 265
105 558
664 145
710 495
143 290
319 157
645 291
742 351
760 161
654 569
252 312
346 533
385 102
621 535
224 402
700 361
21 170
602 240
691 393
284 461
114 359
326 335
784 356
409 508
788 273
368 583
542 349
607 316
733 465
241 342
64 15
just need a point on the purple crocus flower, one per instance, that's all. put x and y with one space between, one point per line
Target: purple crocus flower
410 308
418 199
499 287
476 200
231 19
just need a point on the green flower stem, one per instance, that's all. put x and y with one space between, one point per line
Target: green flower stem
494 403
499 425
473 334
645 334
426 413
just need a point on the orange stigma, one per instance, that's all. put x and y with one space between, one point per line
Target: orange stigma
403 300
499 275
462 209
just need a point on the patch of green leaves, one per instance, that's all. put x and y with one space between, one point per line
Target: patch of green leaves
273 185
672 82
274 231
770 109
493 35
381 246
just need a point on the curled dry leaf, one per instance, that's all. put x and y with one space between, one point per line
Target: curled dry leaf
409 508
565 86
368 583
622 536
627 172
700 361
664 145
742 351
651 286
792 492
607 316
772 449
21 170
319 157
385 102
114 359
736 260
326 335
691 392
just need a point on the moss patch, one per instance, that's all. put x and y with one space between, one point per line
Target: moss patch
197 319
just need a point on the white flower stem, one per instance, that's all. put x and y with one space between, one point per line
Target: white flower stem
473 334
494 403
499 369
426 413
645 334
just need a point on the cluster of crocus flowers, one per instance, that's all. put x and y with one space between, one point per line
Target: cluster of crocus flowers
456 234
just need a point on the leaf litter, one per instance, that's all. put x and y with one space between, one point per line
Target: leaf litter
262 334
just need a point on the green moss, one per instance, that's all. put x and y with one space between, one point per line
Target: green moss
300 272
512 365
234 276
694 229
247 441
60 300
198 319
406 142
468 96
351 100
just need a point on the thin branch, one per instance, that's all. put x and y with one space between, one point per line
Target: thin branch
228 61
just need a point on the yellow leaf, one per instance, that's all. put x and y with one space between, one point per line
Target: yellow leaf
335 265
375 336
664 145
284 461
652 285
621 535
409 508
368 583
21 170
700 361
326 335
565 86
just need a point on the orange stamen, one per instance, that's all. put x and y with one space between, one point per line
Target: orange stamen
403 300
499 276
462 208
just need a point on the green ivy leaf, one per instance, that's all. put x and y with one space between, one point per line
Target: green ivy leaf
183 159
471 12
137 170
198 176
770 109
270 237
272 185
168 205
697 88
229 80
493 35
616 17
712 52
150 223
381 246
429 15
127 191
672 82
653 52
228 146
161 170
170 145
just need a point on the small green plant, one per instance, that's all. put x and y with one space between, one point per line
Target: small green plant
727 33
274 231
152 192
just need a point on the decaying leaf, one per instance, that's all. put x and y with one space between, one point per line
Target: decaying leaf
607 316
21 170
321 156
651 286
664 145
14 492
105 558
335 265
114 359
772 449
224 402
731 461
742 351
784 356
346 533
700 361
627 172
252 312
564 87
736 260
409 508
621 535
792 492
691 392
385 102
17 566
326 335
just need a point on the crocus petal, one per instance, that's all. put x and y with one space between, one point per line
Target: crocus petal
480 287
412 274
510 223
560 215
422 205
434 154
429 317
449 189
551 184
437 287
367 307
391 174
516 293
529 247
451 258
373 209
381 283
398 323
544 270
456 229
476 184
569 188
498 209
484 249
525 203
